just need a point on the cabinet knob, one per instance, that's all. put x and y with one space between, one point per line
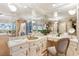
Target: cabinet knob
20 47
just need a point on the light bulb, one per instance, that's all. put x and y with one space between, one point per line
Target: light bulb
53 5
55 14
72 12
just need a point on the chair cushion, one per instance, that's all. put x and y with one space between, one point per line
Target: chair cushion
62 45
52 50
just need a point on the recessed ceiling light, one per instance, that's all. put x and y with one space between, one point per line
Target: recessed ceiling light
72 12
12 7
53 5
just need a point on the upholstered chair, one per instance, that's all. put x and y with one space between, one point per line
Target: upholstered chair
60 49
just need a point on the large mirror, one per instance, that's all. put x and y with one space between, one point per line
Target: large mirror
60 20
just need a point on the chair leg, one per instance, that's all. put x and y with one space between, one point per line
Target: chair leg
60 54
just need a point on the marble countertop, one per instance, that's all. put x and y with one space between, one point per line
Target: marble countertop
12 43
37 39
15 42
56 38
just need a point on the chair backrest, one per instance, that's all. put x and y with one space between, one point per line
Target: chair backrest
62 45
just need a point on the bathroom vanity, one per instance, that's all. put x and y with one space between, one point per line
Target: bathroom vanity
17 47
28 47
37 46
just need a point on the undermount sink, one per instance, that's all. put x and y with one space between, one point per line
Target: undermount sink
19 40
32 38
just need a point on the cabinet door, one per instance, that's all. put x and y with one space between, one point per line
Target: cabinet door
38 50
33 51
44 44
19 53
27 52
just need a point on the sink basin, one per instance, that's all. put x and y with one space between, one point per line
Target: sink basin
17 40
32 38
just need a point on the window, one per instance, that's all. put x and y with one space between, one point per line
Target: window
7 26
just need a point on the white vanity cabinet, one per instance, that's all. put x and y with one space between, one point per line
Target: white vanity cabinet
32 48
44 47
18 48
37 47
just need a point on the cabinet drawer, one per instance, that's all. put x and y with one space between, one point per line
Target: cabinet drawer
19 53
32 51
19 47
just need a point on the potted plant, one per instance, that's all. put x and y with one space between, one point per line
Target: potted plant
48 25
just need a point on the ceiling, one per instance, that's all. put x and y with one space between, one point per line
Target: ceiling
37 10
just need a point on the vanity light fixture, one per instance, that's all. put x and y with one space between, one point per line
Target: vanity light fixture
56 17
72 12
71 30
55 14
12 7
33 13
54 5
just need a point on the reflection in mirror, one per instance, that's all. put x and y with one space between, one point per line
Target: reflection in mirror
61 23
